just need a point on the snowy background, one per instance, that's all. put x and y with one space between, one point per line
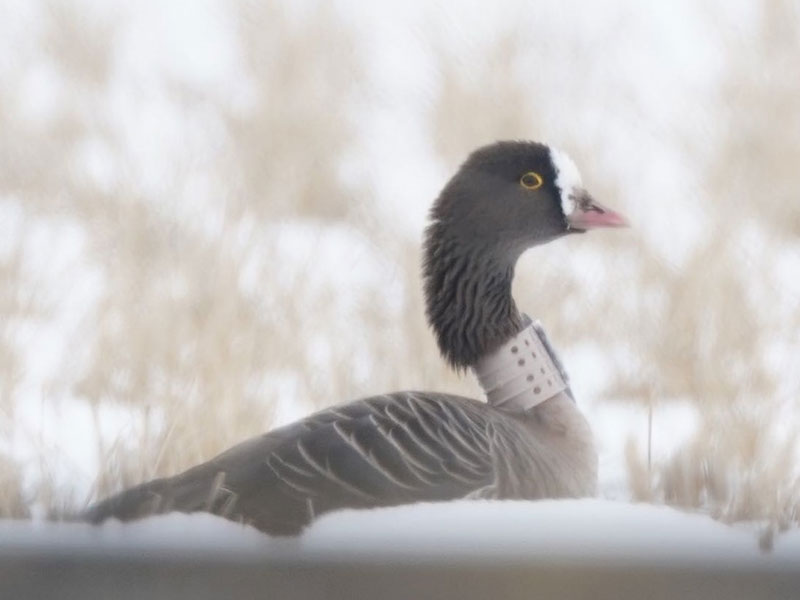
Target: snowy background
210 215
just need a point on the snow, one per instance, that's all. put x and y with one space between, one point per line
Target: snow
472 531
588 529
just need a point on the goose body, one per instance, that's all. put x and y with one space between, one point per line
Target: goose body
409 446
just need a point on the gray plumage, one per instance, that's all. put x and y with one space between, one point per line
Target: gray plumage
480 225
381 451
415 446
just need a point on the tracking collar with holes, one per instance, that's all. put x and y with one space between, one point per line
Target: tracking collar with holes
522 373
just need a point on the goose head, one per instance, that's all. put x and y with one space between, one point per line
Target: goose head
504 199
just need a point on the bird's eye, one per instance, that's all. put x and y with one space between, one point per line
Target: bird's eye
531 180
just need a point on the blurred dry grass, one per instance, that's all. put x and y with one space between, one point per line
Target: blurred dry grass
726 308
192 328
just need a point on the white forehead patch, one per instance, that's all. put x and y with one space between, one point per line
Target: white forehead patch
568 178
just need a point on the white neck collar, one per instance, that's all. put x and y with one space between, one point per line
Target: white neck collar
523 372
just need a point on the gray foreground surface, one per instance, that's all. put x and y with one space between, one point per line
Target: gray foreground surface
554 550
75 573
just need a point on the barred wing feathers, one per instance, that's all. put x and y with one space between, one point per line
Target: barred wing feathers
380 451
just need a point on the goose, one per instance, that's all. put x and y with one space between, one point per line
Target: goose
526 440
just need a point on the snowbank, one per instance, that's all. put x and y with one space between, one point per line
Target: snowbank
469 530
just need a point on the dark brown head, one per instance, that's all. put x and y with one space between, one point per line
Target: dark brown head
506 197
510 196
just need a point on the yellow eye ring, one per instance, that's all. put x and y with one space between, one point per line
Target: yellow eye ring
531 180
